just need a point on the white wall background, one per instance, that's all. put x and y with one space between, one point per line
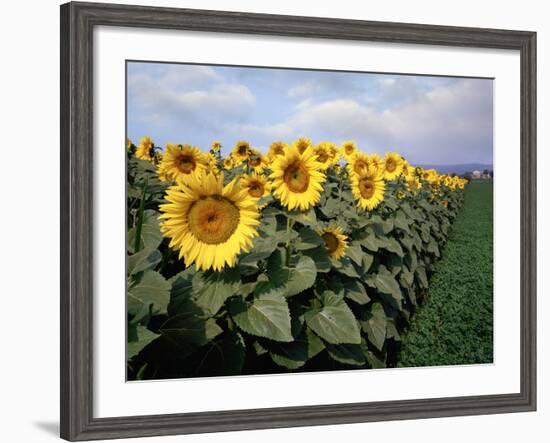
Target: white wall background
29 227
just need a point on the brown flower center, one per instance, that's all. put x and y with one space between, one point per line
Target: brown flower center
256 189
349 149
360 167
243 150
255 161
187 164
322 156
366 188
296 177
390 165
331 241
213 219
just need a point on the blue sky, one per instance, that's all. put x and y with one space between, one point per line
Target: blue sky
430 120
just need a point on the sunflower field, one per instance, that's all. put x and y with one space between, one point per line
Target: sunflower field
309 257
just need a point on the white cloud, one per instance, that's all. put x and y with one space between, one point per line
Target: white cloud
447 124
183 97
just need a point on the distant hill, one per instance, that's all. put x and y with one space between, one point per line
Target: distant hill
459 169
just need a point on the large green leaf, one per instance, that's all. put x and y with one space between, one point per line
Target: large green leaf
144 337
355 252
375 326
219 357
295 354
385 282
216 289
151 289
189 328
301 277
334 321
308 239
307 218
267 316
354 290
151 236
321 258
349 354
143 260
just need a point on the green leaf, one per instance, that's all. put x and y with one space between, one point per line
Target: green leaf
354 290
370 242
392 245
375 326
307 218
347 268
267 316
151 236
355 252
220 357
334 322
151 289
385 282
144 337
308 239
422 277
301 277
189 328
217 288
143 260
349 354
321 258
295 354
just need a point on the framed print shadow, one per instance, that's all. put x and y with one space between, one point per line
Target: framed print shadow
254 206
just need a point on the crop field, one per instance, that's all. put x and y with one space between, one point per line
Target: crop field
305 258
455 323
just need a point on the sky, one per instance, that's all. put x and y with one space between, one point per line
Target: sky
427 119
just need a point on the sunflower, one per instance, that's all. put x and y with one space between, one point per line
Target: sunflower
368 189
162 175
335 240
297 178
393 165
376 164
257 161
276 149
209 223
348 150
181 161
413 184
146 149
445 203
302 143
406 169
228 163
256 185
324 155
216 146
334 153
211 163
359 164
129 144
430 175
241 152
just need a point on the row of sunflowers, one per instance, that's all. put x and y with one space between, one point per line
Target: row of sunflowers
308 257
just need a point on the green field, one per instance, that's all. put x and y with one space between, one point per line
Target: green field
455 323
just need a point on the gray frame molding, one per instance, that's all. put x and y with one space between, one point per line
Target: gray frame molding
77 24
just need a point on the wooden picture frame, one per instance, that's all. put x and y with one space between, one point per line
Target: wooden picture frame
77 217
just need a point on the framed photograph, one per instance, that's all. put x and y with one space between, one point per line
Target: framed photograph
272 221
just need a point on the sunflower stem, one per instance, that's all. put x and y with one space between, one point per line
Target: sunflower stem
137 240
289 224
340 185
